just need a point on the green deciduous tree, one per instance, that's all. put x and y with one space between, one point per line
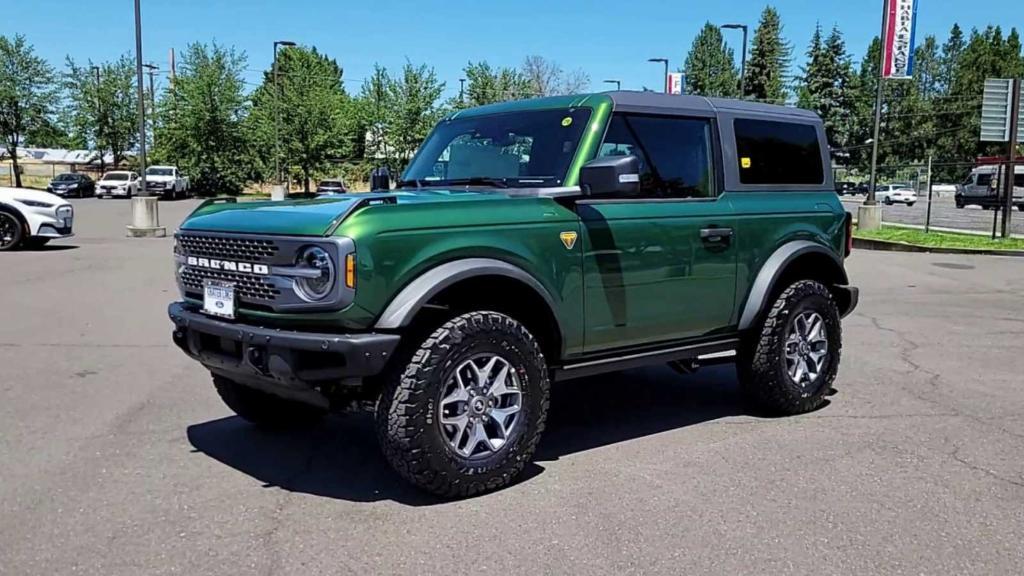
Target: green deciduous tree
316 115
28 95
415 96
710 68
486 85
769 60
104 113
202 113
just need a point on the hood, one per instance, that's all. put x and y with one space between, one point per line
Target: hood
35 195
156 178
314 217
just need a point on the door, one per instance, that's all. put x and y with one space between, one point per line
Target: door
659 266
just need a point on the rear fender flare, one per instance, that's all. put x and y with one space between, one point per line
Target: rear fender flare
772 271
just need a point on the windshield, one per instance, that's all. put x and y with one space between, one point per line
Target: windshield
330 184
159 172
116 176
66 178
530 148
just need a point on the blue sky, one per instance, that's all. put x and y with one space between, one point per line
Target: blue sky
606 39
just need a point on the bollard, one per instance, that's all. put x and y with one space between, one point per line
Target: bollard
869 217
146 218
278 192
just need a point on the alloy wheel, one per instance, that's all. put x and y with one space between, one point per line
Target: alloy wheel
806 348
480 406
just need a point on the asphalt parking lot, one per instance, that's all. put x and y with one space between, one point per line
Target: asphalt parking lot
118 458
945 214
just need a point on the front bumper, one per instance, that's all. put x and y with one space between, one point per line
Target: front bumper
295 365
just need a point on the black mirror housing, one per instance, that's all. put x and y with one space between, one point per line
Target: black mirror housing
611 175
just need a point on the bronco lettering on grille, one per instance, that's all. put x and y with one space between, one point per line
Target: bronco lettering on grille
228 265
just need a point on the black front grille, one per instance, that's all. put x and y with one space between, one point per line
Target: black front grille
228 248
251 288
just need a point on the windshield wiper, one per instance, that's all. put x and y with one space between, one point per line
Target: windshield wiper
407 183
478 181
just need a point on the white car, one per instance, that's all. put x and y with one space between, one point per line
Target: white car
893 193
32 218
118 183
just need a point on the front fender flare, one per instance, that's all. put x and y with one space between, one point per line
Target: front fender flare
773 269
404 306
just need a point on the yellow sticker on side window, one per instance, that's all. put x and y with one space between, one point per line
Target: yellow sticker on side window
567 121
745 162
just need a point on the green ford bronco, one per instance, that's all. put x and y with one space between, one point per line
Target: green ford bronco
527 243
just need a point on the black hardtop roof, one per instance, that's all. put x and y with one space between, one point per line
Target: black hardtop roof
632 101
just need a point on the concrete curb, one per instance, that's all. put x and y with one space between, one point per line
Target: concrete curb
887 246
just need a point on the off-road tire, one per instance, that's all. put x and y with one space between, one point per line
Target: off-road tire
763 374
266 410
407 411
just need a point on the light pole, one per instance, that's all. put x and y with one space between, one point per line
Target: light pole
99 119
152 97
462 90
743 58
618 83
277 113
665 77
142 100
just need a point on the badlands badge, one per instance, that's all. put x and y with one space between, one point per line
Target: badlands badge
568 239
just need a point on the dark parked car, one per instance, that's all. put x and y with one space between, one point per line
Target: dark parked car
844 188
331 187
72 184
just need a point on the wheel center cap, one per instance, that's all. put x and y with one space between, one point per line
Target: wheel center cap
804 348
478 405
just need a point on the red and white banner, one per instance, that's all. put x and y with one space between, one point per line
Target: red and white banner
675 83
901 23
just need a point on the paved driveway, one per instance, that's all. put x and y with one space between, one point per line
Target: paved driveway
118 458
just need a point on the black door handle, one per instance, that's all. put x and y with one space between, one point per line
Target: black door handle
716 235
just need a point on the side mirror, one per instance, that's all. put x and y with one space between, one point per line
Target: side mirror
612 175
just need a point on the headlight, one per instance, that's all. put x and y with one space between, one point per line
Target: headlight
315 288
34 203
65 212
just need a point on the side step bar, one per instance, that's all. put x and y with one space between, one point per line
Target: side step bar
711 350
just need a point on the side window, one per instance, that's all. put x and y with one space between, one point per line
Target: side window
674 153
771 152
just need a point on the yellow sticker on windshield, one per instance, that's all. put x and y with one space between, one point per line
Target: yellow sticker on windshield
745 162
567 121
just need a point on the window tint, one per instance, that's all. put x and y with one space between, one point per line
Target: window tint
778 152
674 153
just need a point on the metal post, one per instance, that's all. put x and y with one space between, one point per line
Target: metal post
928 214
1011 157
151 70
462 90
142 100
667 87
99 119
873 180
743 64
277 122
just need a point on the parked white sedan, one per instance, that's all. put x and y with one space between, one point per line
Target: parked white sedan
32 218
118 183
896 193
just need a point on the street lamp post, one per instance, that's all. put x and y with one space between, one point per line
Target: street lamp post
665 77
152 68
743 58
142 100
277 114
618 83
462 90
99 118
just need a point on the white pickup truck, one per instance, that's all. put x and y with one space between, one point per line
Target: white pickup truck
167 182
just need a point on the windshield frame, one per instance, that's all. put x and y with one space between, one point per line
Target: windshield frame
582 119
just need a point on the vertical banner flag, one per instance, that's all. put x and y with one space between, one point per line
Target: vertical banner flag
899 38
675 83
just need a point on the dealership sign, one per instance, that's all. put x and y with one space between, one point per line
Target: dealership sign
901 21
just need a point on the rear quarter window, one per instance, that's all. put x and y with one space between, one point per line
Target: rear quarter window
778 153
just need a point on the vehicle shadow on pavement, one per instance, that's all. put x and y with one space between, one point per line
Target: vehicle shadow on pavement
49 248
340 458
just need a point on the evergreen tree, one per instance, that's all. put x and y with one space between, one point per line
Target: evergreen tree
951 52
710 70
827 83
769 60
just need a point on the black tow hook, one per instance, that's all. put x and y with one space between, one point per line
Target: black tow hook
257 357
